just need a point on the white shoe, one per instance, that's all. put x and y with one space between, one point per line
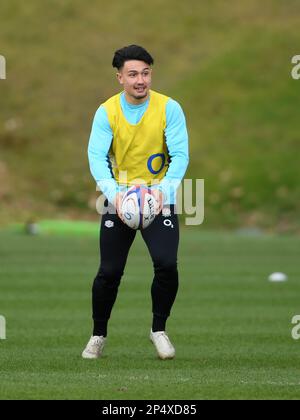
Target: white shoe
163 345
94 347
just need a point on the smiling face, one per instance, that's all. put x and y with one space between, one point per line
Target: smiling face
135 77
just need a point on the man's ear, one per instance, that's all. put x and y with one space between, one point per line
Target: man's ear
120 78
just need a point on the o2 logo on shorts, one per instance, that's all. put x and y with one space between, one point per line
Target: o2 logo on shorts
168 223
160 156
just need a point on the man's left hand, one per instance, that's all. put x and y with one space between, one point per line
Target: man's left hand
159 197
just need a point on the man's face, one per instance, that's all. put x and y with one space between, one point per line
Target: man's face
135 77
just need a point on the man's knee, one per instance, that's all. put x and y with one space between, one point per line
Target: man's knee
166 272
165 275
164 265
108 276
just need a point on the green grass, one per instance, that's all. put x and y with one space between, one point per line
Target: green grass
230 326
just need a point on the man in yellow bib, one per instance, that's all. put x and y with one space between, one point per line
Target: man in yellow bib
138 136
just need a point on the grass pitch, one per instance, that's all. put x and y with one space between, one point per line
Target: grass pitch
230 326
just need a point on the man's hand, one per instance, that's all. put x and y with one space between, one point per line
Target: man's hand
159 197
117 203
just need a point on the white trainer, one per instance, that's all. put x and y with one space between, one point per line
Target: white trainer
94 347
163 345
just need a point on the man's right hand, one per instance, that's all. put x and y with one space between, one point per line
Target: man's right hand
118 202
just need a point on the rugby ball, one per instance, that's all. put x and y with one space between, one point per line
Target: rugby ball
138 207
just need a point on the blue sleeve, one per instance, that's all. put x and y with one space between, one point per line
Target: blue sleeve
98 149
177 143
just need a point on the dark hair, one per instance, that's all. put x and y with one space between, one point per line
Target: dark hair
132 52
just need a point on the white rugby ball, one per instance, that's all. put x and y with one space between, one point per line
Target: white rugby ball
138 207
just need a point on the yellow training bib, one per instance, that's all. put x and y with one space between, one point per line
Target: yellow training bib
138 153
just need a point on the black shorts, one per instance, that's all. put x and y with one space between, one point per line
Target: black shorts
161 238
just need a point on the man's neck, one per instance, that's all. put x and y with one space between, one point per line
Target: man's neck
134 101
